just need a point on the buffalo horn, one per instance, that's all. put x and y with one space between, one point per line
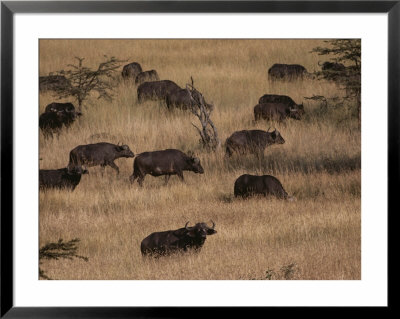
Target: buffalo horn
213 224
268 129
186 225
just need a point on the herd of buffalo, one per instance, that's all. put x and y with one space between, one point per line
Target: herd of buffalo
171 161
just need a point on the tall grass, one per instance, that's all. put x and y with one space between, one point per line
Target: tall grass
319 164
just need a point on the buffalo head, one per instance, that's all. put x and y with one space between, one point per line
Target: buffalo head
195 165
200 230
277 137
295 113
77 170
300 108
124 151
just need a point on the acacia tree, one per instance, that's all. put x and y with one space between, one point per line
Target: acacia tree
347 52
84 80
60 249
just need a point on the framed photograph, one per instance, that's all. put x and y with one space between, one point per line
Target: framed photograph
162 156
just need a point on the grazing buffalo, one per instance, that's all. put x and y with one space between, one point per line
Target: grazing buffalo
63 178
182 99
287 72
250 185
284 99
332 66
275 112
102 154
156 90
52 122
68 109
172 241
130 71
57 107
53 82
146 76
251 141
167 162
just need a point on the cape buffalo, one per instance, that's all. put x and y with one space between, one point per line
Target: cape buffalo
267 185
284 99
68 108
182 99
56 107
182 239
102 154
287 72
52 122
156 90
146 76
167 162
130 71
332 66
275 112
53 82
67 178
251 141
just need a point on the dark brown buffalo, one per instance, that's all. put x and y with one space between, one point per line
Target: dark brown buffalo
131 70
52 122
56 107
156 90
172 241
53 82
182 99
284 99
252 141
267 185
275 112
146 76
167 162
63 178
102 154
67 108
332 66
287 72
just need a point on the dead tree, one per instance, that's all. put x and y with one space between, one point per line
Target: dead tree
208 132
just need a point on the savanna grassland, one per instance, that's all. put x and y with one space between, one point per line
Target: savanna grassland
318 236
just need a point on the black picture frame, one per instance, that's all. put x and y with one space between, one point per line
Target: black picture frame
9 8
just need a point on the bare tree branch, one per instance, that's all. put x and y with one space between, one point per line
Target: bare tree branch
208 132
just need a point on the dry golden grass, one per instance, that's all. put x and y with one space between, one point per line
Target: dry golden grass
320 164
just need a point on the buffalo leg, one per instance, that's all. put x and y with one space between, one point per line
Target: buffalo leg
167 179
228 152
180 174
103 168
132 178
260 154
140 180
112 164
